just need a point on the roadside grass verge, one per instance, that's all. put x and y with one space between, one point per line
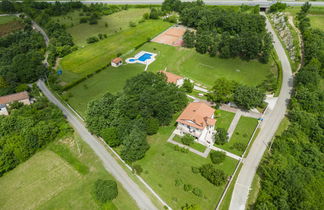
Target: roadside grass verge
47 181
194 145
162 166
224 119
96 56
241 136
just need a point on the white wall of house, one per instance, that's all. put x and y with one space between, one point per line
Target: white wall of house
189 130
4 111
179 82
116 64
25 101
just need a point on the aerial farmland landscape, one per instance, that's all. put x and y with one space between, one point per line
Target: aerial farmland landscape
190 105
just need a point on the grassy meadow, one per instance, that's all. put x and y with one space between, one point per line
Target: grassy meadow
7 19
162 166
98 55
316 16
186 62
48 181
109 24
242 134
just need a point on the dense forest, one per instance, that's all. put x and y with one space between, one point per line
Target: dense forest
292 174
28 129
125 119
222 32
21 56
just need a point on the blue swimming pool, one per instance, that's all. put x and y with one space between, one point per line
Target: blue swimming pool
144 57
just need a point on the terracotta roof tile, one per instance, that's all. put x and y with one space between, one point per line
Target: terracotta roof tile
117 60
171 78
14 97
198 115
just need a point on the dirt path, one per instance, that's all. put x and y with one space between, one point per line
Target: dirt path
300 41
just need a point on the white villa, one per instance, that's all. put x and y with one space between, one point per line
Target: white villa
197 119
5 101
173 78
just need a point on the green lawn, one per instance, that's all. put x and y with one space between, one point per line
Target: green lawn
224 119
242 134
46 181
178 60
109 80
163 165
98 55
7 19
316 15
317 21
115 22
205 69
195 145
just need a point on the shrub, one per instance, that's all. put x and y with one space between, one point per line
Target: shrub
146 16
137 169
197 192
238 146
83 20
110 136
178 182
132 24
105 190
92 39
217 157
195 170
215 176
221 136
187 187
187 86
152 126
187 139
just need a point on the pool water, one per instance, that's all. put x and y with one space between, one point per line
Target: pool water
144 57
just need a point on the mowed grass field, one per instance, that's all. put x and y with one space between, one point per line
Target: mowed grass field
224 119
162 166
316 16
109 80
46 181
98 55
242 134
115 22
7 19
205 69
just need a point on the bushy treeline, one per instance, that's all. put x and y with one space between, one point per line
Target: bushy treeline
28 129
21 56
292 175
147 102
226 33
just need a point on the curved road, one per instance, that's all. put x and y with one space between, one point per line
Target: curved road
110 164
269 126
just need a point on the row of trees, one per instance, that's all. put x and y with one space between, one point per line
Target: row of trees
27 130
147 101
224 32
291 176
245 97
21 56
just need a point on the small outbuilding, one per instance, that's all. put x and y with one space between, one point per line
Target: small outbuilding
173 78
3 109
117 62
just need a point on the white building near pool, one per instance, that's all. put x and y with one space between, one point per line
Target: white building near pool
197 119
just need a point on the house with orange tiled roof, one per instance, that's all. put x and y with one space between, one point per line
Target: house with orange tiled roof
5 101
197 119
116 62
173 78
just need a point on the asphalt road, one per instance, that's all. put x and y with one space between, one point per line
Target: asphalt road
208 2
110 164
269 126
